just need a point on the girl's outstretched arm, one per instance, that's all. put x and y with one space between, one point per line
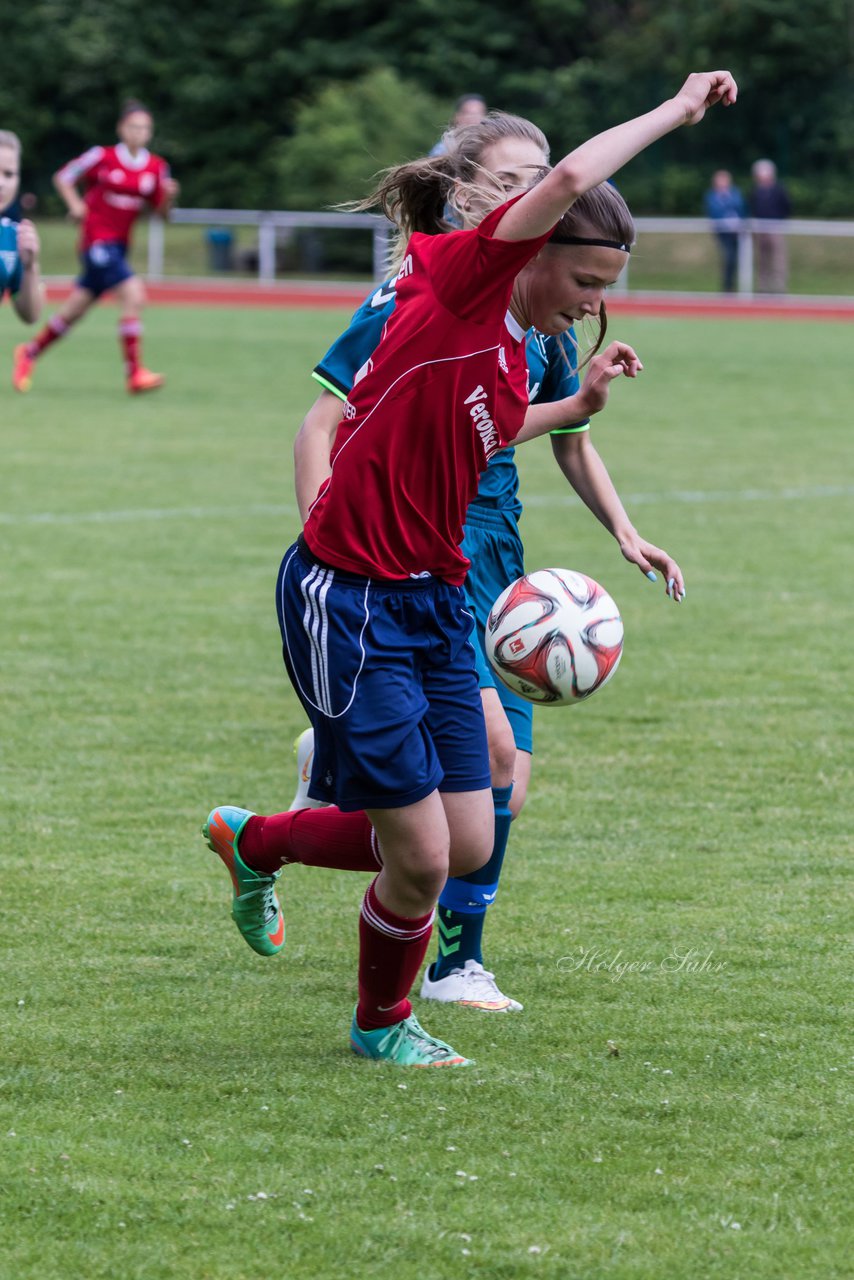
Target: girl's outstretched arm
586 472
600 157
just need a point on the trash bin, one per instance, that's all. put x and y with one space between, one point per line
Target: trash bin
220 249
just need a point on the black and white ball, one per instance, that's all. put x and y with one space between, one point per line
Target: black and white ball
554 637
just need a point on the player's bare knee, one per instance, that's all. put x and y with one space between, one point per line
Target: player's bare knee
471 854
501 761
419 883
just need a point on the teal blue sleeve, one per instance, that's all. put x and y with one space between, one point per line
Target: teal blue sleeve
561 378
337 370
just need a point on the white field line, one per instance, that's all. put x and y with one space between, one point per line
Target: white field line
271 511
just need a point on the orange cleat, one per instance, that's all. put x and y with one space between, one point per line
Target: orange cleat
22 370
144 380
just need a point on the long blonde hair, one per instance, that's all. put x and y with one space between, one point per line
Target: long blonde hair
418 196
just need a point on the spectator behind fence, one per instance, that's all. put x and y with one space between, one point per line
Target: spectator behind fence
469 109
724 205
769 201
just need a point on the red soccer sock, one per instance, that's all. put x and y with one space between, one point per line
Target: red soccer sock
130 340
315 837
390 954
55 328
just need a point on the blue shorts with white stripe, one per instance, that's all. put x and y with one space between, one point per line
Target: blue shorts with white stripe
386 674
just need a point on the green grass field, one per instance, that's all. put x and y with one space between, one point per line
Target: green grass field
173 1107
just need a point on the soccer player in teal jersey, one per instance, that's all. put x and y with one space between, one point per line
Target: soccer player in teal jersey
19 241
514 151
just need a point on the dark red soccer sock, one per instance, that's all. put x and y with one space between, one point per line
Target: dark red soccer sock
55 328
130 338
315 837
390 954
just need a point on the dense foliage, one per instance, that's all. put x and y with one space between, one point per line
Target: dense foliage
286 103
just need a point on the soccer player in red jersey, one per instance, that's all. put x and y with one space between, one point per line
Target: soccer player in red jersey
121 183
500 156
371 607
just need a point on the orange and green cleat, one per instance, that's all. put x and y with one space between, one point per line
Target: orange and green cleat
22 369
144 380
255 908
406 1044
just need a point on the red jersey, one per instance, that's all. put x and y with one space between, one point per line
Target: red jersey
446 387
119 186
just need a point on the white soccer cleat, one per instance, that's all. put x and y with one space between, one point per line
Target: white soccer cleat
473 987
304 752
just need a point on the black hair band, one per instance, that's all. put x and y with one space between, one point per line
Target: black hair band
558 238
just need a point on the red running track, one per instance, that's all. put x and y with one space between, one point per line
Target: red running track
309 294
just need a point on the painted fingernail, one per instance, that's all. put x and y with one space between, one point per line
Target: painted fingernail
671 583
652 577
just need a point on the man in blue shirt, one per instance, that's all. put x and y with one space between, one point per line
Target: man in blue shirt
725 206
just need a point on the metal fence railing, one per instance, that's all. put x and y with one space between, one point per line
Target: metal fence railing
270 227
275 227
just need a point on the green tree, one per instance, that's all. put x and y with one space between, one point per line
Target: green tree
234 90
347 132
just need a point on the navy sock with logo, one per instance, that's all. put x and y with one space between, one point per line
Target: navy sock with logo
463 903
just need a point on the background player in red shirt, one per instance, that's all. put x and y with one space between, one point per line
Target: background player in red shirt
371 608
121 183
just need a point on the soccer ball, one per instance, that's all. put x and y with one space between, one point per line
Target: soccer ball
554 637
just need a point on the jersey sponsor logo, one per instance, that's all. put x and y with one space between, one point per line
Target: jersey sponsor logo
349 411
118 201
406 268
382 296
146 183
483 424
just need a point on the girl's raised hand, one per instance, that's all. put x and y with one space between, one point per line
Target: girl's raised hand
702 90
612 361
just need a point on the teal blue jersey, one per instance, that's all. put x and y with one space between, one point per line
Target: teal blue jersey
11 269
552 375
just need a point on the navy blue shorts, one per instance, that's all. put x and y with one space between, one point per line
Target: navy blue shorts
497 559
385 672
104 266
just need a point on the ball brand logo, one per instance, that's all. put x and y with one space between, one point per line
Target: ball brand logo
483 424
516 645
